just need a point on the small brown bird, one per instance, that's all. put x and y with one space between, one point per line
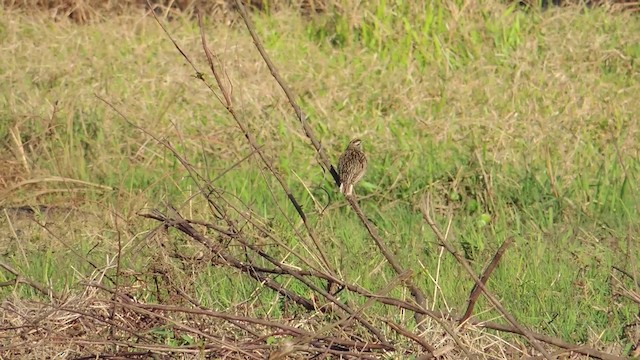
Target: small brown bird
351 166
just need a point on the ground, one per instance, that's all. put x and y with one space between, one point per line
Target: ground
504 123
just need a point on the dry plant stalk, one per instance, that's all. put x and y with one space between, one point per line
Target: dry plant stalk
417 294
476 291
444 242
263 274
226 92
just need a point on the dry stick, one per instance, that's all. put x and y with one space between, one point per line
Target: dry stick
228 106
476 291
291 224
257 321
133 332
72 249
286 349
252 141
318 290
181 326
585 350
283 270
23 279
428 347
118 355
196 349
177 221
438 317
189 298
370 301
340 353
627 274
199 349
265 230
488 294
228 259
117 278
301 116
417 294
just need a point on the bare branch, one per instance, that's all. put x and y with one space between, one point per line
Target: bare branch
476 291
301 116
488 294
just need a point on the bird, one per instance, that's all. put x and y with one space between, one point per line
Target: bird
351 166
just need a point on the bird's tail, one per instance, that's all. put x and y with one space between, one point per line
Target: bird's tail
346 189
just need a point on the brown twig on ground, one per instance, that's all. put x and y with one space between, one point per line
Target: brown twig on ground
118 355
585 350
301 277
117 276
627 274
495 302
476 291
227 259
370 301
288 329
24 280
402 331
158 311
177 221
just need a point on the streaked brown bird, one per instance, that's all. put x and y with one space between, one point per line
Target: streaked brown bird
351 166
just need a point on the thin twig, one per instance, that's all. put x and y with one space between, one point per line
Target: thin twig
494 301
181 224
24 280
253 143
274 72
117 279
415 292
476 291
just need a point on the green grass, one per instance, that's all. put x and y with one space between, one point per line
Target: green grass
527 117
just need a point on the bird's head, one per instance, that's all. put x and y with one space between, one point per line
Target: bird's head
355 144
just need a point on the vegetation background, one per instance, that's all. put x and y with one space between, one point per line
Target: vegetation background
520 122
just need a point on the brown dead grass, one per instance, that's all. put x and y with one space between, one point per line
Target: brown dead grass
78 322
83 11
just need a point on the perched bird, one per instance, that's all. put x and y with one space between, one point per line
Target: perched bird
351 166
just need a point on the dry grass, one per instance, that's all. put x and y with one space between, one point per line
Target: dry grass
524 120
83 11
